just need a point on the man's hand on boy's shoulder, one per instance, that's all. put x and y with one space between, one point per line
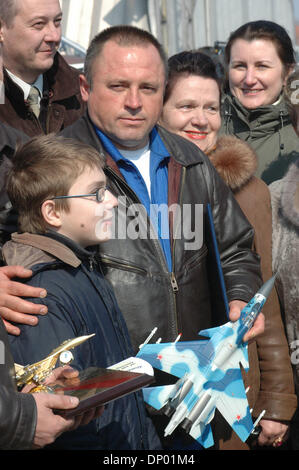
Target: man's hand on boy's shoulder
12 307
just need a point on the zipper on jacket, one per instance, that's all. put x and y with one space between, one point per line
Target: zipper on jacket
120 265
281 144
180 204
174 283
194 260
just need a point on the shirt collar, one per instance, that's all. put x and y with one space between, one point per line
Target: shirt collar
39 82
156 145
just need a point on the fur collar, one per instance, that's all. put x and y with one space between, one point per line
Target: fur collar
290 195
234 160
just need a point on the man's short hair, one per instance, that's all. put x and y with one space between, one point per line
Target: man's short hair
8 11
45 167
123 35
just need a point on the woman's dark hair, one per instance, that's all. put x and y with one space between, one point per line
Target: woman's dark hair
190 63
267 30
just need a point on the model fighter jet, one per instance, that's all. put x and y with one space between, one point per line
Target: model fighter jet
37 372
209 376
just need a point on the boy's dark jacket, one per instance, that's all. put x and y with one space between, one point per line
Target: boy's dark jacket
80 302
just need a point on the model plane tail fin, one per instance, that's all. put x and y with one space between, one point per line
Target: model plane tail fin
202 433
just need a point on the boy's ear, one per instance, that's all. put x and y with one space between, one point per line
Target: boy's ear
51 215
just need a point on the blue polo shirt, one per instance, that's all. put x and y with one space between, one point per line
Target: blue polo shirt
159 158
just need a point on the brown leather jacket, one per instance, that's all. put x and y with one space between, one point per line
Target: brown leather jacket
270 375
61 103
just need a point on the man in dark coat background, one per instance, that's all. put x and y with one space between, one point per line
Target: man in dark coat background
42 93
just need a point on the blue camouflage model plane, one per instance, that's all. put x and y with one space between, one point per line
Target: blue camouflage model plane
209 376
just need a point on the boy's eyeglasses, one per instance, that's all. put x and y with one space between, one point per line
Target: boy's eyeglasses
99 195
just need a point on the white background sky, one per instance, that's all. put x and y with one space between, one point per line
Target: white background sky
296 9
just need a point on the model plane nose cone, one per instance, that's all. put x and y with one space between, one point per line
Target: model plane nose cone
266 288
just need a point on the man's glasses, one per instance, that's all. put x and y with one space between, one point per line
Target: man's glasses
99 195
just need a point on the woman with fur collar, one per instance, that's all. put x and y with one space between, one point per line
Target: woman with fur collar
192 110
285 253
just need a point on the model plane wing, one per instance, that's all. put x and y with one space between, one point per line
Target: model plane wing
240 356
176 359
237 414
203 434
233 405
229 397
48 363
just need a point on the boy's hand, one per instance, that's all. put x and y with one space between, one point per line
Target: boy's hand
12 307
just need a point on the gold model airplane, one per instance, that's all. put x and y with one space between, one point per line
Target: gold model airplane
37 372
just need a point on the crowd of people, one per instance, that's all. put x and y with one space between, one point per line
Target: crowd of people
135 131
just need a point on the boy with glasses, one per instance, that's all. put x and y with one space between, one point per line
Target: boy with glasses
59 189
